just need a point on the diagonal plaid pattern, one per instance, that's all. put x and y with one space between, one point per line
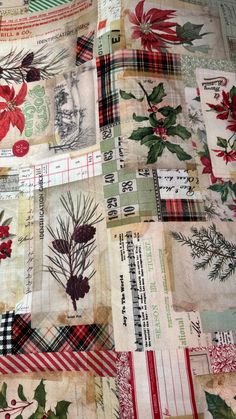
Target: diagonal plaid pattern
84 49
6 344
134 61
59 339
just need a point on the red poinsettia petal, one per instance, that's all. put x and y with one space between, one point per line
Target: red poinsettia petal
3 106
4 127
158 15
169 37
133 19
136 33
233 103
223 115
20 121
12 117
232 126
139 10
164 27
217 108
225 96
207 169
5 92
20 97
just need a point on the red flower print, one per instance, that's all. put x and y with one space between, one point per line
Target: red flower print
206 161
5 249
227 156
232 125
4 231
152 27
227 106
10 113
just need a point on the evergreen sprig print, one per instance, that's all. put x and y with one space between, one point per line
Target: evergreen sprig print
73 245
21 65
210 250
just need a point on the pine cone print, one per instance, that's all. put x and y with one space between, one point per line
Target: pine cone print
33 75
76 288
84 234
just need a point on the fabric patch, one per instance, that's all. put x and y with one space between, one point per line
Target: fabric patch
133 61
6 343
59 339
84 49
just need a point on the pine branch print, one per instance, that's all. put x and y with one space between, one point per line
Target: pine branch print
210 249
73 244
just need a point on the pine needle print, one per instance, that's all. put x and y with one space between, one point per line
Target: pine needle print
210 250
73 245
21 65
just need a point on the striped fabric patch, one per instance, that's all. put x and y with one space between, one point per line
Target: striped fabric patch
37 5
101 363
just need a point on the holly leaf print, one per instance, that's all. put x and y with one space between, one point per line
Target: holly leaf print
140 133
40 394
155 151
21 393
62 409
128 96
138 118
157 94
178 150
180 131
218 408
3 400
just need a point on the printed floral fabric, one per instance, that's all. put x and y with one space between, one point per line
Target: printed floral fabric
117 209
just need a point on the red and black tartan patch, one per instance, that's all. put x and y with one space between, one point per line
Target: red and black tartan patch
84 49
58 339
182 210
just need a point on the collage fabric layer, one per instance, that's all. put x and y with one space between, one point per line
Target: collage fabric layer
117 209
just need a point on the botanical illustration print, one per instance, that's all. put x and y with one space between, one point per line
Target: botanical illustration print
20 405
202 260
75 110
73 245
213 251
223 190
20 65
157 32
216 395
171 26
71 282
10 112
162 124
226 110
5 236
218 102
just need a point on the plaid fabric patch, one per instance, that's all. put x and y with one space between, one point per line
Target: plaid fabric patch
132 60
6 345
182 210
84 49
59 339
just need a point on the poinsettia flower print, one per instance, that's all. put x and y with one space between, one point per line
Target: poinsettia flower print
152 27
10 113
206 161
227 156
